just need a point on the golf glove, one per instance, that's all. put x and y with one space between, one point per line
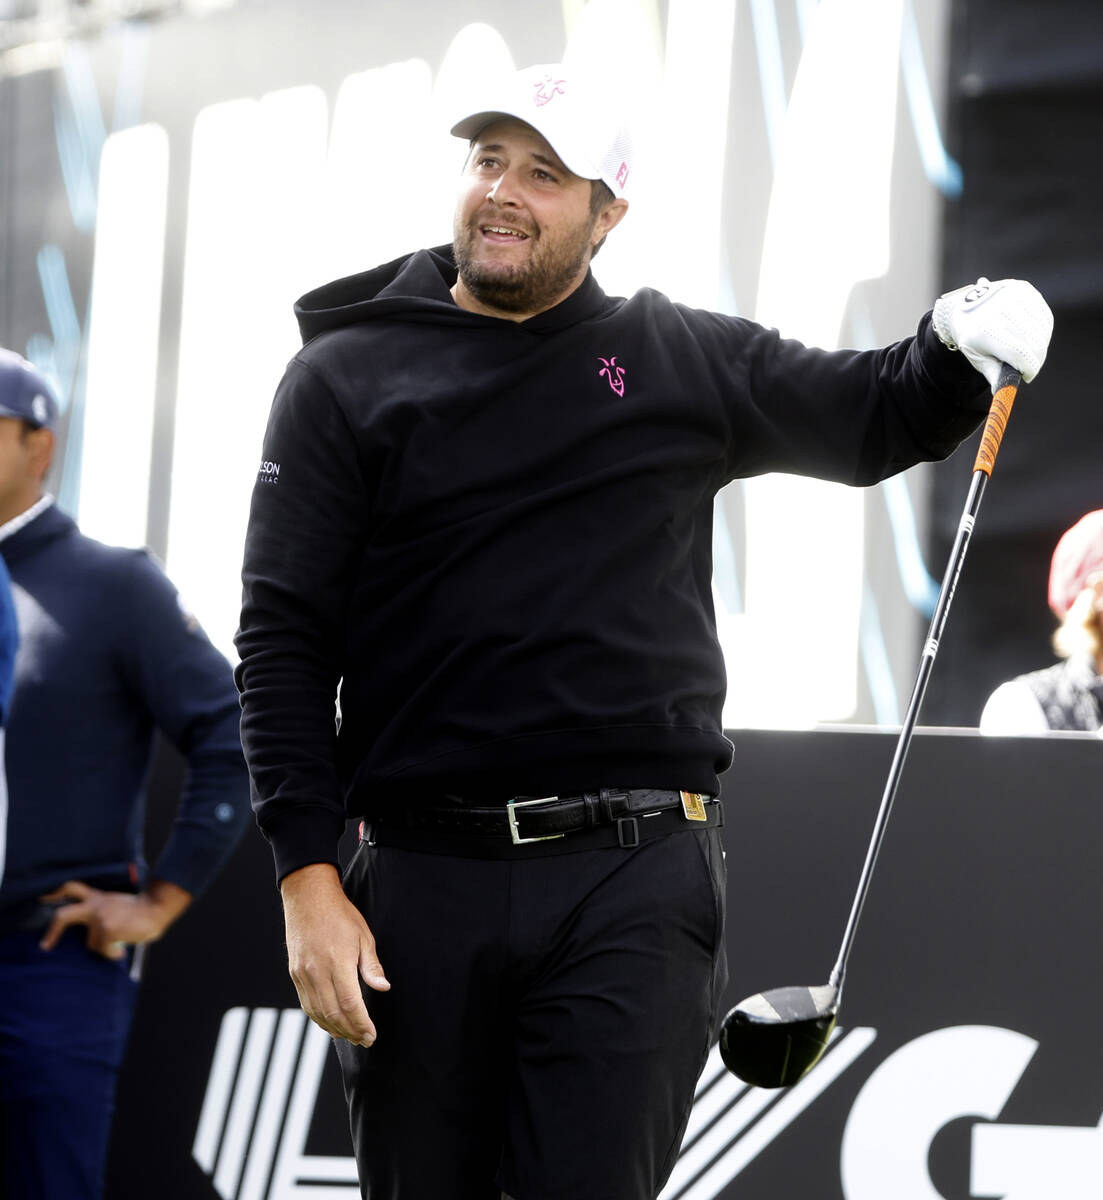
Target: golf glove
992 323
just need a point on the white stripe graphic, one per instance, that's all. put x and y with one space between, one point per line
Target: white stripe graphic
710 1105
292 1165
714 1067
780 1116
272 1065
231 1158
326 1169
306 1192
694 1160
277 1087
217 1099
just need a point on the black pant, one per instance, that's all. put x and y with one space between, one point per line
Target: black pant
547 1019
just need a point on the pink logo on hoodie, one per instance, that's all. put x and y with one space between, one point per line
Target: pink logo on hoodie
613 373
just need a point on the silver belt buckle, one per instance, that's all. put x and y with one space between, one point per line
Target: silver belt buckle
511 813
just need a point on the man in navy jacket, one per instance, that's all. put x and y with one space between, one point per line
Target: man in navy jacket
9 641
108 657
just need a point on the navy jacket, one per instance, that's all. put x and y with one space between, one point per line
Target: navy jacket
107 657
9 641
497 536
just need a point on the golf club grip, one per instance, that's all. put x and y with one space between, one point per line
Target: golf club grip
1007 388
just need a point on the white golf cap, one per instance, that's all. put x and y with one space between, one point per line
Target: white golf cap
580 124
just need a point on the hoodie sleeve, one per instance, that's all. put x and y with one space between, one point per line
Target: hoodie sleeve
302 548
855 417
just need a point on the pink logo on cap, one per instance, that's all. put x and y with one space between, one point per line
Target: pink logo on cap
547 89
622 175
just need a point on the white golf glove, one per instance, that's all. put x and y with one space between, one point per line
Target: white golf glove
992 323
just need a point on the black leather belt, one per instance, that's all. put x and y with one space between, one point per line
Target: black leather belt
624 814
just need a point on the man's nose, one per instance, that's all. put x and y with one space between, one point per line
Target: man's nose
504 189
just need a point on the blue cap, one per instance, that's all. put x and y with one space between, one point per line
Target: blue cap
24 392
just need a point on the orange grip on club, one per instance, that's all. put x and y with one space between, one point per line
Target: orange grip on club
998 415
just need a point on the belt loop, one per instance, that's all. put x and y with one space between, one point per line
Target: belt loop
628 832
614 804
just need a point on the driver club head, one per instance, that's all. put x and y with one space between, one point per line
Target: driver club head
774 1038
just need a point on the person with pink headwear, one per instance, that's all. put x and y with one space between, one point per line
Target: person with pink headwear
1068 695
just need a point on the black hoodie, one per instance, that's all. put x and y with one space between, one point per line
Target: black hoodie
497 536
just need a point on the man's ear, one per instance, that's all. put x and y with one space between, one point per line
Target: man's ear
42 443
609 218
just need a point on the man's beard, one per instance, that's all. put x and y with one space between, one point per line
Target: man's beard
531 287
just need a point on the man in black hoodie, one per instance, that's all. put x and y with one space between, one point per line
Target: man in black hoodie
483 521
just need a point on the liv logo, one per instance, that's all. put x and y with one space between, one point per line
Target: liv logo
613 373
547 89
256 1114
267 1070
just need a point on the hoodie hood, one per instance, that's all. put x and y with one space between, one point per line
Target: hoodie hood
417 287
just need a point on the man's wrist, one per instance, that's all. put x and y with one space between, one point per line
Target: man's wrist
168 901
311 880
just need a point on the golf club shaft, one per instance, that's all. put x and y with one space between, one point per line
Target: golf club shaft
994 427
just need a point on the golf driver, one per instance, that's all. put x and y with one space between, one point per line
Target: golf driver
772 1039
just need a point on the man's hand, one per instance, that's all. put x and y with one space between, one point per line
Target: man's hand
115 920
329 950
992 323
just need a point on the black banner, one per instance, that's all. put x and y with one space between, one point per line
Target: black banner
967 1060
